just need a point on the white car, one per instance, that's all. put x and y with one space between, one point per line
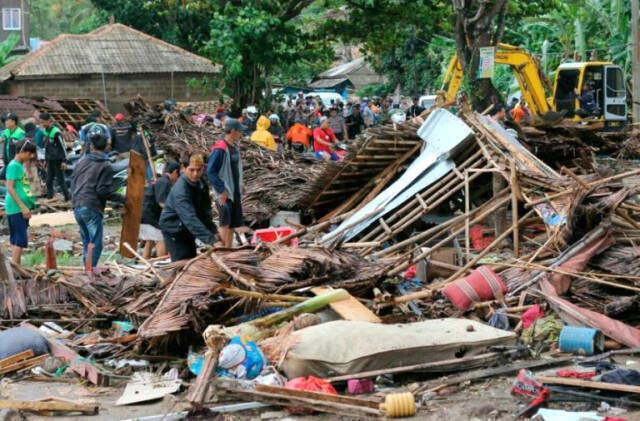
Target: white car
427 101
326 97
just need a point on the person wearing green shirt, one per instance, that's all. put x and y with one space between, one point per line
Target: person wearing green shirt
10 135
19 201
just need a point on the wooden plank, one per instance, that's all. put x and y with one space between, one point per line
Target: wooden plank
56 406
15 358
325 397
55 219
587 384
349 309
28 363
133 206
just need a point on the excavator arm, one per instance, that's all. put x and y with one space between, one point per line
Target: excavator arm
527 73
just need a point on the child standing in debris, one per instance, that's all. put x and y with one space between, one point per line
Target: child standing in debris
19 200
155 197
225 173
91 187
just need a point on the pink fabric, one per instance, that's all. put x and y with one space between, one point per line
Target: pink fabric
577 263
531 315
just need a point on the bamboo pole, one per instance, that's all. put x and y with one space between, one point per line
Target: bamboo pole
483 215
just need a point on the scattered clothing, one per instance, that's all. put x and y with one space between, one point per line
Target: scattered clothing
622 376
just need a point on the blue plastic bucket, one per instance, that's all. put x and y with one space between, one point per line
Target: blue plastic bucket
581 340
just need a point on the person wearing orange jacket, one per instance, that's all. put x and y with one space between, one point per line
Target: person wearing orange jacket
298 136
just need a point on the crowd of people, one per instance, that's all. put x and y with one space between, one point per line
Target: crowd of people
308 124
178 204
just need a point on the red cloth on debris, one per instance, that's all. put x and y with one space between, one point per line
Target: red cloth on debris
410 273
531 315
483 284
480 237
310 384
576 374
578 262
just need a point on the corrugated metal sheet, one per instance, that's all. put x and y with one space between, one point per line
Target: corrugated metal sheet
112 49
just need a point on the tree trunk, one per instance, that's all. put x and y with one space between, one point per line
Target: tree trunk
478 24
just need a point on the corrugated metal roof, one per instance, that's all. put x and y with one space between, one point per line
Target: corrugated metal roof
111 49
327 83
343 70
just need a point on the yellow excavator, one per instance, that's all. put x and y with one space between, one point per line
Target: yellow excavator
605 80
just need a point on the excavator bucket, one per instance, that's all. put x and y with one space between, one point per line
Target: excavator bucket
550 118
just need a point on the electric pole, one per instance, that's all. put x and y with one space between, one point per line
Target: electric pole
635 78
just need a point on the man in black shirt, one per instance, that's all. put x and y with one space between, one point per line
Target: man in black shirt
123 133
415 110
187 214
155 196
55 154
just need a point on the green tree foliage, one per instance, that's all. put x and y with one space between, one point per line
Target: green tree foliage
256 43
6 47
406 40
50 18
183 23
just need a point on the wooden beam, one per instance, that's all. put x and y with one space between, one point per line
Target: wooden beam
48 406
133 207
587 384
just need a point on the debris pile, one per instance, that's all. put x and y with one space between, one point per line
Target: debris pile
443 246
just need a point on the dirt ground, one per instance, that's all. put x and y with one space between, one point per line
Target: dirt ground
483 401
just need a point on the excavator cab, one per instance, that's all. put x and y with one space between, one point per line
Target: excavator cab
591 91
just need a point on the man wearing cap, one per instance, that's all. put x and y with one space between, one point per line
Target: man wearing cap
225 174
123 133
186 215
155 197
11 135
55 154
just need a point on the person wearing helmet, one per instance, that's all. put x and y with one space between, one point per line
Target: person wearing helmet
19 199
262 136
123 133
11 135
93 118
91 187
277 131
55 154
